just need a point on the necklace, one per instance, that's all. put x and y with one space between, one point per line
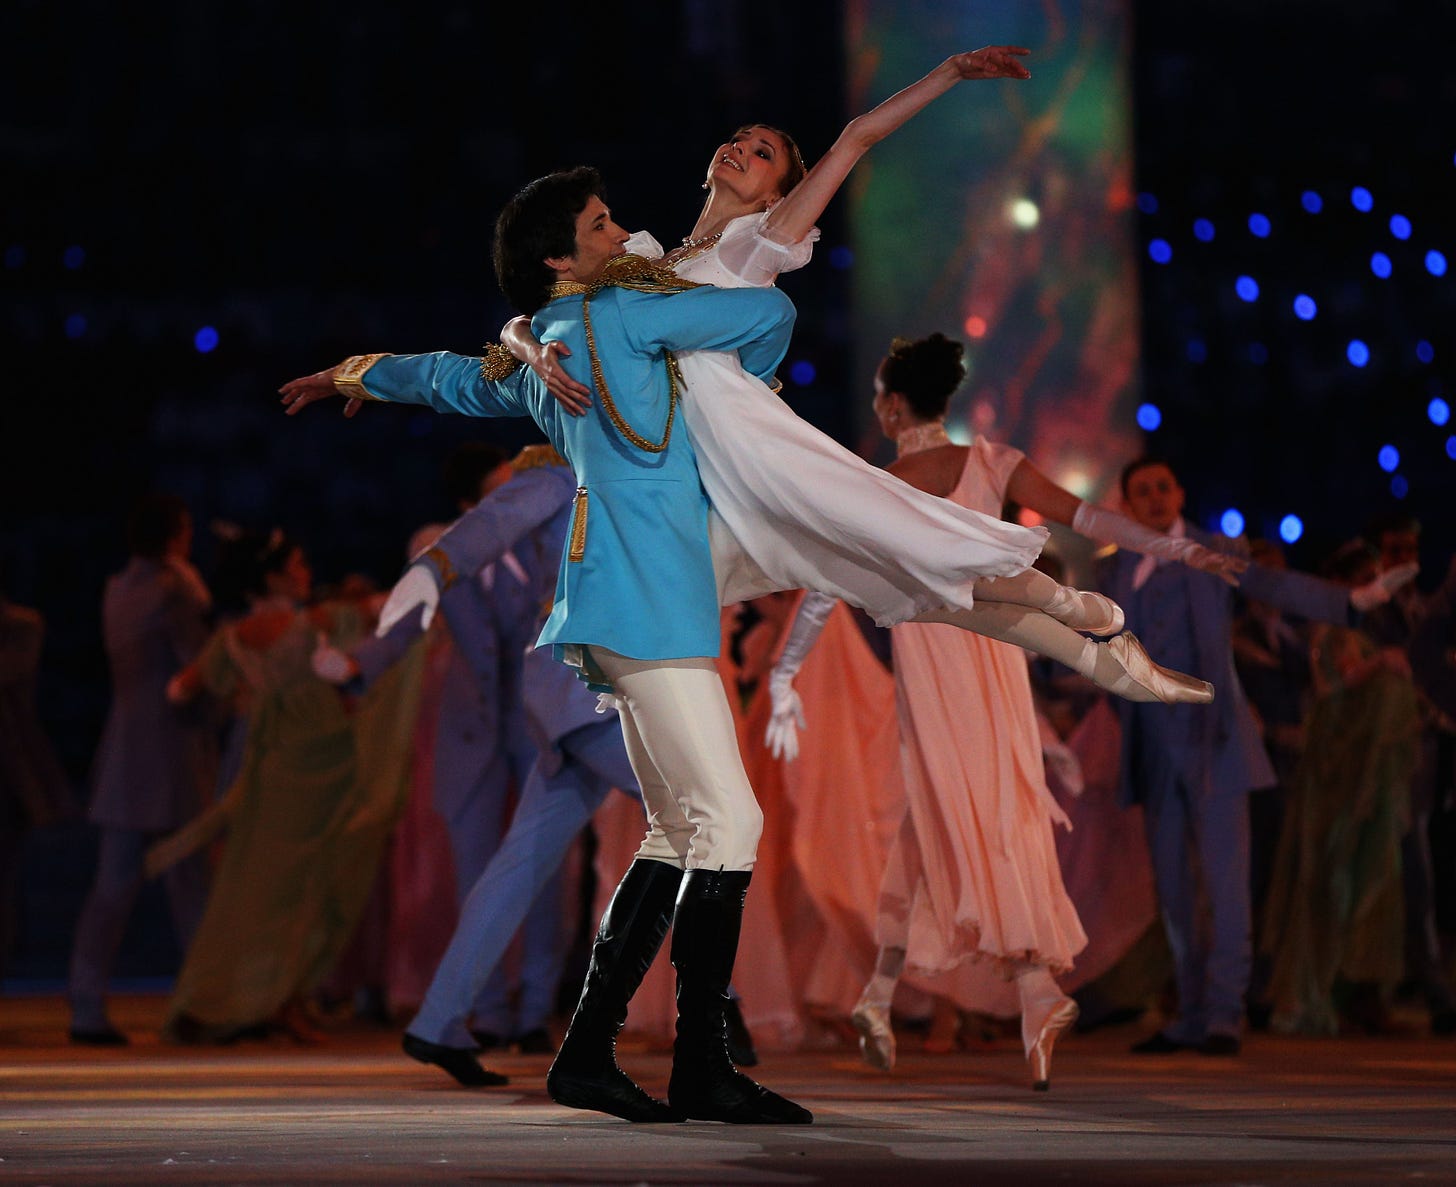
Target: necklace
691 248
920 437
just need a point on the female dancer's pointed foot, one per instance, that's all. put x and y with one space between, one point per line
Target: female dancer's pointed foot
1142 680
1083 610
876 1039
1040 1055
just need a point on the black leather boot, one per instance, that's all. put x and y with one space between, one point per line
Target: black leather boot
705 1086
585 1074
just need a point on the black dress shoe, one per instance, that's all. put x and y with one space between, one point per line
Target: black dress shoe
459 1062
535 1042
1158 1043
1217 1044
106 1036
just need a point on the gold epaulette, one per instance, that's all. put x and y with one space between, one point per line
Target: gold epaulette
496 362
534 456
349 378
629 272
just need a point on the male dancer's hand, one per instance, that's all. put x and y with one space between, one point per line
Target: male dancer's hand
301 392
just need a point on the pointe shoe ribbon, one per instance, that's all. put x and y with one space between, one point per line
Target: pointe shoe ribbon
1143 680
1040 1055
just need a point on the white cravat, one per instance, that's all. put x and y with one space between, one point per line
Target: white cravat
1149 564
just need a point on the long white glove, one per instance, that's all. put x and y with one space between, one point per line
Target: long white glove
418 587
1100 523
1378 592
782 734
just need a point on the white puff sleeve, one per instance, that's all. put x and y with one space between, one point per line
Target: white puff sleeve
756 261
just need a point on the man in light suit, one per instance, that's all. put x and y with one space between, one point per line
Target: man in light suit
1192 766
635 610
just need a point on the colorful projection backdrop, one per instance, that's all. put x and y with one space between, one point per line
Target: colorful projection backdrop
1003 215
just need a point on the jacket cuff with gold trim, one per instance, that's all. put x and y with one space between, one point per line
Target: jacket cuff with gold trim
349 378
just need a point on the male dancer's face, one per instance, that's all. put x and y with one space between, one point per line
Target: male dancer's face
1154 497
598 239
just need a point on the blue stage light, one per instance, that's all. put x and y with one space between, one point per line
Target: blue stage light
1149 417
1203 230
1399 487
842 258
73 257
1400 226
1160 251
1311 201
1425 351
1380 265
1231 523
1247 288
75 325
1451 448
1361 198
1291 528
205 340
1357 352
1439 411
1435 263
1389 458
1259 226
1147 203
803 372
1197 350
1305 308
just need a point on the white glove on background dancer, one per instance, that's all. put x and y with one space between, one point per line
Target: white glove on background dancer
782 734
1099 523
1378 592
418 588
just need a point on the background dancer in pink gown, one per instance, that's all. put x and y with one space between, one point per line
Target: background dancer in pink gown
973 873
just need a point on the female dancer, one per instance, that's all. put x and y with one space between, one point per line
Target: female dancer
306 819
973 873
808 513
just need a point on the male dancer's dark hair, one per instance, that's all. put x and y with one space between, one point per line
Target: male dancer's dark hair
539 222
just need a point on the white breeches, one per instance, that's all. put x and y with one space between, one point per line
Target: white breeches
681 740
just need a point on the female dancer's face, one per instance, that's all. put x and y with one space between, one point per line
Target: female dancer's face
751 165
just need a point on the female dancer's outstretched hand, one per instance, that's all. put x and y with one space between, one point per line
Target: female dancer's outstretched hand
992 61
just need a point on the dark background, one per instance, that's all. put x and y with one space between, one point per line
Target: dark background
316 181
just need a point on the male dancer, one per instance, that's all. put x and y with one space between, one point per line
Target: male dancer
636 611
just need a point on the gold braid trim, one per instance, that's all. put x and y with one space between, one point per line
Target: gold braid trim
643 276
448 573
497 362
349 377
532 457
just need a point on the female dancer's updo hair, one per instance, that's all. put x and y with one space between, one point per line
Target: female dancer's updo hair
926 371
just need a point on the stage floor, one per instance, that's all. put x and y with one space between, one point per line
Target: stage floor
355 1110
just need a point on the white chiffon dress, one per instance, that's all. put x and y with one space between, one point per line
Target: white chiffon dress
798 509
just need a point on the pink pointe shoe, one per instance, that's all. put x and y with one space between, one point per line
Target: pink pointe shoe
1143 680
876 1039
1083 610
1040 1054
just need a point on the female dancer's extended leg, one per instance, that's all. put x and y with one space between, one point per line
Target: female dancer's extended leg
1120 665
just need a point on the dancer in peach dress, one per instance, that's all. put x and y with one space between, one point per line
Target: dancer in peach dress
973 873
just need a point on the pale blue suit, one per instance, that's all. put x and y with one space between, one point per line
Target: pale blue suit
483 749
1191 767
581 756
